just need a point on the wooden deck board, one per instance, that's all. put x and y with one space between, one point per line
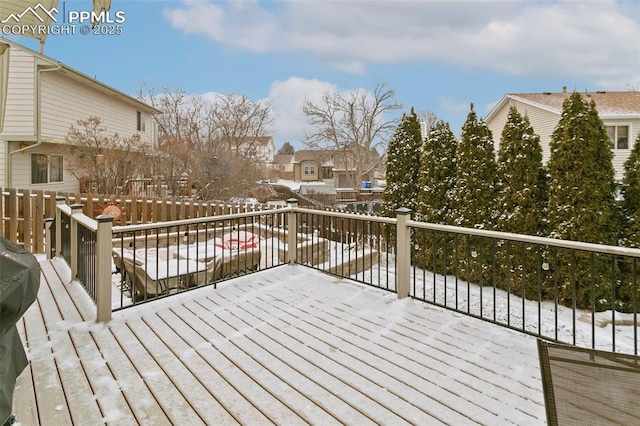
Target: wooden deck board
152 368
330 351
268 349
24 391
76 386
144 406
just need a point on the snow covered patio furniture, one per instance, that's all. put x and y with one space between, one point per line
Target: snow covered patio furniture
587 386
152 276
235 252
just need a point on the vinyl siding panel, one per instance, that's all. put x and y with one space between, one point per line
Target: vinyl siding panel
544 122
66 100
22 172
621 155
20 107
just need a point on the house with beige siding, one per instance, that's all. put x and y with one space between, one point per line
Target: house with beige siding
619 111
40 99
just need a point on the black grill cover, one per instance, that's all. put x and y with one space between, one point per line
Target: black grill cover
19 283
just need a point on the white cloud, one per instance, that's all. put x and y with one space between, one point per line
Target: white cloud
594 40
287 98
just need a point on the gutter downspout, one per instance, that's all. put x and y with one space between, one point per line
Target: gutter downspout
41 69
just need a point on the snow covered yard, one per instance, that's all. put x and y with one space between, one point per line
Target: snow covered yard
288 345
495 304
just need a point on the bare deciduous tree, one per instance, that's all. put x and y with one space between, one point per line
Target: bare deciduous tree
357 126
239 121
210 139
429 118
104 160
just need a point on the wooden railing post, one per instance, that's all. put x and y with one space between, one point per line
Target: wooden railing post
47 236
403 252
103 267
292 232
59 201
75 209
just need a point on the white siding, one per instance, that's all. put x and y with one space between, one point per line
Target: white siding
544 122
65 101
621 155
20 116
22 172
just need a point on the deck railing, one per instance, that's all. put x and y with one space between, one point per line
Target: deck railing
564 291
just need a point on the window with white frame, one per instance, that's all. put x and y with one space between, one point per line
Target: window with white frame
46 168
618 137
309 169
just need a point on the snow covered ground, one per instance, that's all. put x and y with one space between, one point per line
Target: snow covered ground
546 319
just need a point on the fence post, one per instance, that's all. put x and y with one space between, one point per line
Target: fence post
47 236
292 232
59 201
75 209
103 267
403 252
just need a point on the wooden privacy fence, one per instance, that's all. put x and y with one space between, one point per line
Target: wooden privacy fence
23 212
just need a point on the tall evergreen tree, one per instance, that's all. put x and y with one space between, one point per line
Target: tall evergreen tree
403 164
523 189
581 204
474 198
286 149
436 179
631 197
475 192
582 188
522 204
436 183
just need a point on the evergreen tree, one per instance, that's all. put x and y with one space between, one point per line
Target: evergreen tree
436 181
436 178
581 204
522 188
474 198
581 191
286 149
403 164
631 197
522 204
631 230
475 193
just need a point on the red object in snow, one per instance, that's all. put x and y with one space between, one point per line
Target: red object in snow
240 241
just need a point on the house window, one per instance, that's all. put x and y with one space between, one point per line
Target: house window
46 168
309 169
618 137
140 121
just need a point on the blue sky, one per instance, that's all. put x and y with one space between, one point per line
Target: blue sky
438 56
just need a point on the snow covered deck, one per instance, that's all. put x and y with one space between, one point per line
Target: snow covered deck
289 345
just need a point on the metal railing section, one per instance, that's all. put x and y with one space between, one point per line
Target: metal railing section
359 247
152 261
540 286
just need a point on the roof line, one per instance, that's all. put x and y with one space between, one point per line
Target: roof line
91 80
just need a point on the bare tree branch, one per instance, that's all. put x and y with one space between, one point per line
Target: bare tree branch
357 126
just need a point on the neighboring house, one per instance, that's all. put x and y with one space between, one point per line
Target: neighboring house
43 99
259 148
620 112
313 165
282 166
